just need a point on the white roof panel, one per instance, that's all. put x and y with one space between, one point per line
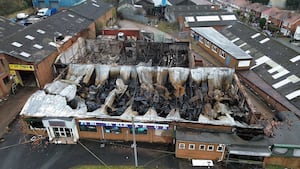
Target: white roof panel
295 59
228 17
189 19
207 18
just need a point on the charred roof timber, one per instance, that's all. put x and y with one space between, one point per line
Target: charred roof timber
204 95
109 51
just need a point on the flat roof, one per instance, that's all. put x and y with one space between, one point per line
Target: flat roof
36 41
221 41
91 9
8 28
198 135
274 60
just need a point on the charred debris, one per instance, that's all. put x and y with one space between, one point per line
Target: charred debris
133 52
189 94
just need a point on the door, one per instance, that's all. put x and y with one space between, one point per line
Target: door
62 132
228 61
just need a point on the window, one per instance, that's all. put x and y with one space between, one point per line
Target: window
244 63
181 146
220 148
88 128
139 131
6 80
207 43
222 54
214 48
296 153
210 148
35 123
278 150
202 147
114 130
200 39
191 146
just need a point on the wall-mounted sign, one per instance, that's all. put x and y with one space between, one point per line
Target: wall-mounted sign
21 67
57 123
123 124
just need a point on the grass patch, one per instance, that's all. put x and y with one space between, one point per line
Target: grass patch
105 167
274 167
167 27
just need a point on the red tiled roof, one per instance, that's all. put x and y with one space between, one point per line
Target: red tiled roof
271 11
240 3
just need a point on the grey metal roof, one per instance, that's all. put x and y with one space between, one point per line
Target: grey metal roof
33 43
221 41
278 55
8 28
288 132
198 135
91 9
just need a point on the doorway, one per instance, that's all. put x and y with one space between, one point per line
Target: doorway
28 78
62 132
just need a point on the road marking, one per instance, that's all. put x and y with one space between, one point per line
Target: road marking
234 40
243 44
93 154
264 40
255 35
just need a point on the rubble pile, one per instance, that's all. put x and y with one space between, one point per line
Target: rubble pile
109 51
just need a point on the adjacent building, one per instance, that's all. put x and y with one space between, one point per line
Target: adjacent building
221 48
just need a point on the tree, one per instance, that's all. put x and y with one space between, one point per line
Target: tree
262 22
293 4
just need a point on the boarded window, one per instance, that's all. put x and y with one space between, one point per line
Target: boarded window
207 43
214 48
181 146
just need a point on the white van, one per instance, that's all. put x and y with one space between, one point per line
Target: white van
42 12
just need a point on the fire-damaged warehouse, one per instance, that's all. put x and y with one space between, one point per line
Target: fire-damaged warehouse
101 101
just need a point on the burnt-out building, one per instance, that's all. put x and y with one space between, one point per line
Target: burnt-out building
102 102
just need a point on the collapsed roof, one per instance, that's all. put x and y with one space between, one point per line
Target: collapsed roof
204 95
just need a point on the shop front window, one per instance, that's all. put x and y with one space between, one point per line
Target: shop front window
88 128
114 130
140 131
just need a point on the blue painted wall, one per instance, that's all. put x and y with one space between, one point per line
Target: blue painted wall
55 3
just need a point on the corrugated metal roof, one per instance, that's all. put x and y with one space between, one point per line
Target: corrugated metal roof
91 9
36 41
221 41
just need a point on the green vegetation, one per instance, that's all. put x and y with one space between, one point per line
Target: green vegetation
105 167
274 167
265 2
11 6
171 28
262 22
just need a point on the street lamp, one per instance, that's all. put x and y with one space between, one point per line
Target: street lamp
134 144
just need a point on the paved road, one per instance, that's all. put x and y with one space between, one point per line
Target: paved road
11 107
40 155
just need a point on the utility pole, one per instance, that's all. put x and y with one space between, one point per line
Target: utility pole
134 144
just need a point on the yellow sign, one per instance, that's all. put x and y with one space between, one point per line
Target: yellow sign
21 67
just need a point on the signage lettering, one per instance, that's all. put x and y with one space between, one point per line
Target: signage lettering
124 124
